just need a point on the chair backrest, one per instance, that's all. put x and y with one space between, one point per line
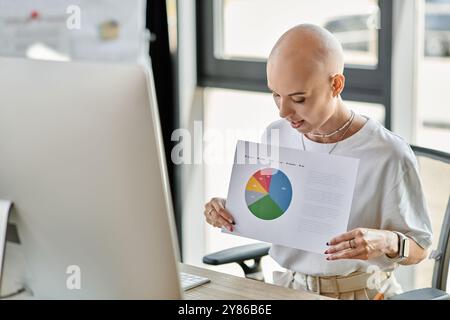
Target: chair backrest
442 254
435 173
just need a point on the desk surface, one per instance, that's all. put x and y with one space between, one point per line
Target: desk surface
227 287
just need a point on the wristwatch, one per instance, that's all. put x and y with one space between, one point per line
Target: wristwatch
403 248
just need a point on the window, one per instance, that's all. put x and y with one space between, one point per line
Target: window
235 38
355 25
433 107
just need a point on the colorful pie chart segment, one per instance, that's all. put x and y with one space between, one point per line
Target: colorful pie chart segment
268 194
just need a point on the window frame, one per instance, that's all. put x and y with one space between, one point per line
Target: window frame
363 83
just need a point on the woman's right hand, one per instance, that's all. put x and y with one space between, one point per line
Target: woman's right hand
216 214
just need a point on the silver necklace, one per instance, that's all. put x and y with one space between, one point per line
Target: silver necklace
320 135
349 122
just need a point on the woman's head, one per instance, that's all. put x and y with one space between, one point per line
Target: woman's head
305 73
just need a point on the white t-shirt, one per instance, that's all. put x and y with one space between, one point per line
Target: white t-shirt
388 195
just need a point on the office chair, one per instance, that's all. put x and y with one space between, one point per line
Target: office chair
441 255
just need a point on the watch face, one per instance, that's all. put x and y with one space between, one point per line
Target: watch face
406 248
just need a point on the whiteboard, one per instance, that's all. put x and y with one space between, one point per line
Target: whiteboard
19 32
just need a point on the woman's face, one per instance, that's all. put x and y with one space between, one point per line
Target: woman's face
303 93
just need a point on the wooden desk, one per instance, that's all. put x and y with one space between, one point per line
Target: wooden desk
227 287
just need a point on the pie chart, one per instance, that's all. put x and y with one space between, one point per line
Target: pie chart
268 194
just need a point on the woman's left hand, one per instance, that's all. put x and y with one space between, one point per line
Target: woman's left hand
363 244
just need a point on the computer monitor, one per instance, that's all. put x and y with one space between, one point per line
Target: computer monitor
82 161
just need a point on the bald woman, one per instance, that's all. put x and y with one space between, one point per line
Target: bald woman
389 223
